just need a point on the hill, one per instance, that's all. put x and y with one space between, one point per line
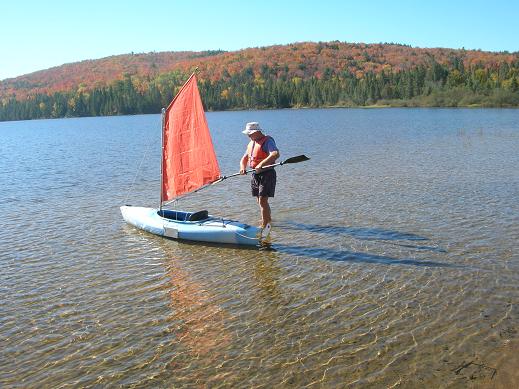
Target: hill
294 75
91 74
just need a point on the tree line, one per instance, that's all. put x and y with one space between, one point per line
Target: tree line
431 85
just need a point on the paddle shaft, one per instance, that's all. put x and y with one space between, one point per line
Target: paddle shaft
253 170
299 158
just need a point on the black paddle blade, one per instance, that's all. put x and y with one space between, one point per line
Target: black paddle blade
299 158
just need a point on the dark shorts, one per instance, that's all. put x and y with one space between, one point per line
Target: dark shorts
263 184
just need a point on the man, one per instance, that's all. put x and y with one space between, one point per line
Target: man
261 151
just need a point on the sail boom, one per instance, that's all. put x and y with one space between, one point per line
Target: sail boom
166 203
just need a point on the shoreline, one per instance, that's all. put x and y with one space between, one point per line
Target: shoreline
372 106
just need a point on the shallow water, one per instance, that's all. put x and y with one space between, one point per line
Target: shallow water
394 259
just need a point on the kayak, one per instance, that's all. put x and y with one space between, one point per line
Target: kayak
195 226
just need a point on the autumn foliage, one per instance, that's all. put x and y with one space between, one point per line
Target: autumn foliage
302 60
345 68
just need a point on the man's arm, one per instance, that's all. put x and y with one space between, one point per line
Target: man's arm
243 163
270 160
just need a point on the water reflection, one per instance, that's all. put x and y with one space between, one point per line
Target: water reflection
201 322
202 327
207 324
267 275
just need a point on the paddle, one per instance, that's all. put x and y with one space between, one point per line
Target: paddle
296 159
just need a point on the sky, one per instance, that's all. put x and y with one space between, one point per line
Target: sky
37 35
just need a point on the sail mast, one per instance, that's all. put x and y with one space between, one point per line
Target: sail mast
162 155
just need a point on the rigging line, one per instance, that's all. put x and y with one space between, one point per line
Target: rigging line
145 155
165 203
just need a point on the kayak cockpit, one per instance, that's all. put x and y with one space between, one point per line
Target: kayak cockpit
183 216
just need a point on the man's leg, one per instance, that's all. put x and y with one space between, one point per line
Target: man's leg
263 202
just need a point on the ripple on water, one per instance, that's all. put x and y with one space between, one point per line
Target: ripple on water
398 268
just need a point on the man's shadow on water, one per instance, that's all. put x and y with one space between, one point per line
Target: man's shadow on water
388 236
366 233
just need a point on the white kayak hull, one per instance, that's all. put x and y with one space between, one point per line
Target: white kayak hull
210 229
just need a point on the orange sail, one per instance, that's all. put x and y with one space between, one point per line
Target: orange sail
188 158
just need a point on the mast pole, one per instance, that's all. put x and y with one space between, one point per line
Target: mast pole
162 156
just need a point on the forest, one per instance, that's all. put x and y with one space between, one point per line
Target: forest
292 76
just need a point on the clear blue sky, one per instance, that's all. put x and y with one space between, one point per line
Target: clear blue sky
36 35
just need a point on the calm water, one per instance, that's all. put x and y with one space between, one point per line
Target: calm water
395 257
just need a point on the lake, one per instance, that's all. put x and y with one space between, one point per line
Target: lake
394 262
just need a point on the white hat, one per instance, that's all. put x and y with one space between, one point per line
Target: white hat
251 128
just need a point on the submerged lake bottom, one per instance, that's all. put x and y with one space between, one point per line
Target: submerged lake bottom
393 261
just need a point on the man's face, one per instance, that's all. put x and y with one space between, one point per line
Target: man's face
256 136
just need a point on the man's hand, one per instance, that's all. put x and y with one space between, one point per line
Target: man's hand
243 171
258 169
